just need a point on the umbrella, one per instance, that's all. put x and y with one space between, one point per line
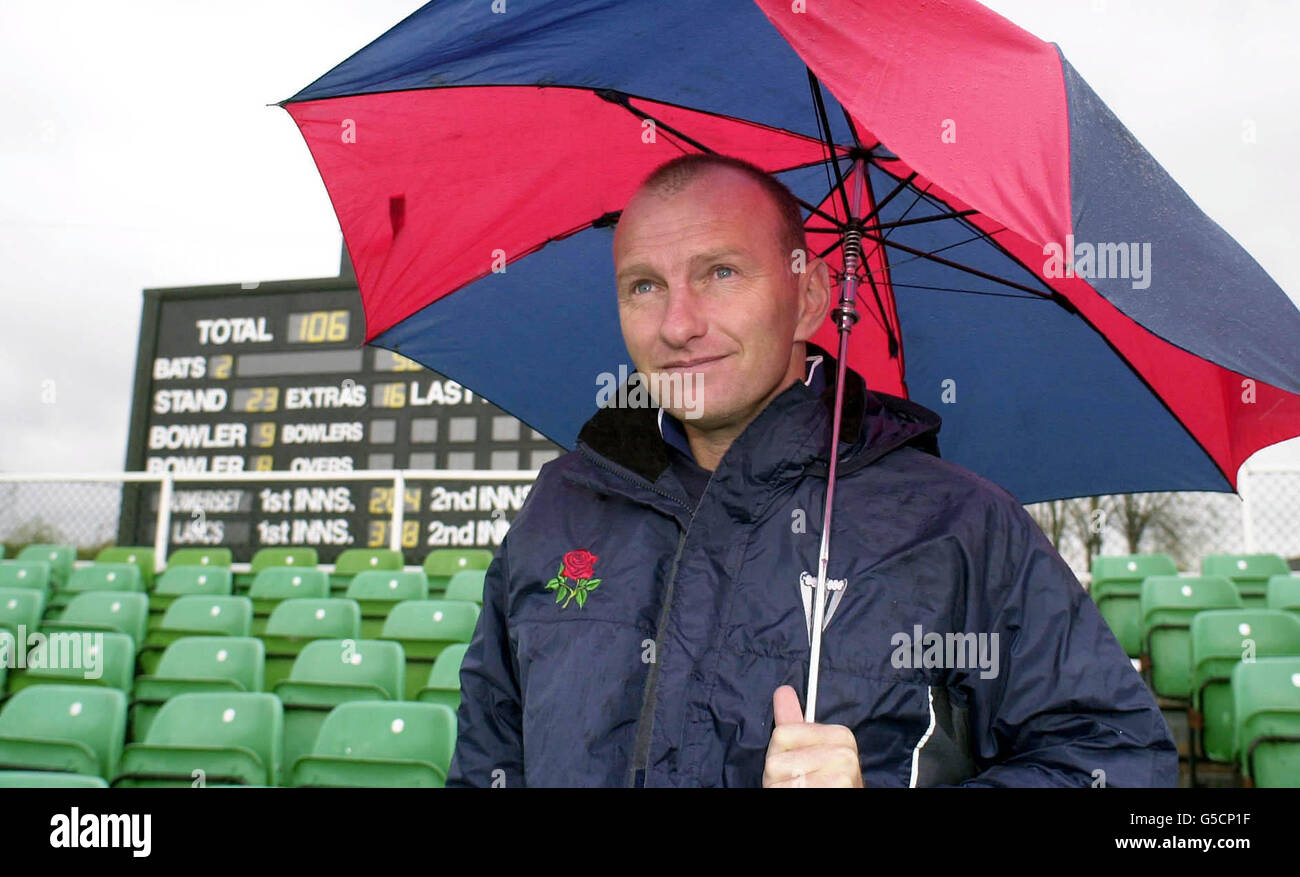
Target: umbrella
1027 269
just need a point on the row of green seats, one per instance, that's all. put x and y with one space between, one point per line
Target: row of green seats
222 738
325 674
1167 607
1266 721
1220 640
423 627
58 572
23 601
1261 580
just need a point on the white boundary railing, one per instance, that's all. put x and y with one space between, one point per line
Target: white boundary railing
1270 496
397 477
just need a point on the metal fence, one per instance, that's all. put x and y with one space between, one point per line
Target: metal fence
1263 518
167 511
86 511
1272 501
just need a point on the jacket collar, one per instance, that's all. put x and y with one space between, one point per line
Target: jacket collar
787 437
675 434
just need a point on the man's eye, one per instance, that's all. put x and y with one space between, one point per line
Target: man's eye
729 271
641 286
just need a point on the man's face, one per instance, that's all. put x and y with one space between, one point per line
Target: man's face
705 288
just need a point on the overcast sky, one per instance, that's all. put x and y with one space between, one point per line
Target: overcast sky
137 150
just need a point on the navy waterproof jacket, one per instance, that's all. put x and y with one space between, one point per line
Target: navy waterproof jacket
663 674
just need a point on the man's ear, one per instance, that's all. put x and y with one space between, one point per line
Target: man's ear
814 299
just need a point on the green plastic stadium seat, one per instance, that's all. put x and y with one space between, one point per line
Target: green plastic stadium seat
425 628
378 591
329 672
294 623
39 779
1267 698
120 611
140 555
297 557
1283 592
466 586
213 738
444 679
1116 588
181 581
1167 605
443 563
200 557
1221 639
1249 572
266 558
80 657
20 607
28 574
71 728
197 664
60 558
356 560
276 584
1131 567
96 577
197 615
381 744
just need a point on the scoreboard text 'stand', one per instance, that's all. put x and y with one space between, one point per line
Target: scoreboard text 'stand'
276 380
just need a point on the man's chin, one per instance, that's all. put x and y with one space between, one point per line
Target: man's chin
707 418
696 416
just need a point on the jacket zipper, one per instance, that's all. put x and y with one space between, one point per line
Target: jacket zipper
640 761
650 697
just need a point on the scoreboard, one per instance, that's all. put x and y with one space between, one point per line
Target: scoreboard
275 378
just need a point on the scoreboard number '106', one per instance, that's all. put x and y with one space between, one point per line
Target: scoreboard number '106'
319 327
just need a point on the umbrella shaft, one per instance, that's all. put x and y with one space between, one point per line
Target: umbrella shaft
845 317
823 560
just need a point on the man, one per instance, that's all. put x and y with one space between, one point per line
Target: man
644 621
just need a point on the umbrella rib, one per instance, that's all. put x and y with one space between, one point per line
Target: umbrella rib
902 217
917 221
894 329
889 329
922 254
853 131
620 99
980 233
951 246
824 129
1035 298
902 184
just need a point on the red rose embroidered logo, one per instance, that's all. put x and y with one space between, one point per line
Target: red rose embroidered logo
573 580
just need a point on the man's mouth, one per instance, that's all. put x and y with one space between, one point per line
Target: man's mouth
687 364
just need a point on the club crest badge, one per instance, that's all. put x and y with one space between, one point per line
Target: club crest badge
575 579
808 590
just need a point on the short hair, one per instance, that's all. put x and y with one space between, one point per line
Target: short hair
675 174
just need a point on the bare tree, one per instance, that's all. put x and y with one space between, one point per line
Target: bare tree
1051 519
1188 526
1088 519
1160 513
35 530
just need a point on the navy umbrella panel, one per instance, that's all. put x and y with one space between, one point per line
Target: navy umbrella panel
463 141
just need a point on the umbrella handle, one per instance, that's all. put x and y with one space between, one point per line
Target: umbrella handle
845 315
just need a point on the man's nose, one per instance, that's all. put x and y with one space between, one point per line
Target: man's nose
683 318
